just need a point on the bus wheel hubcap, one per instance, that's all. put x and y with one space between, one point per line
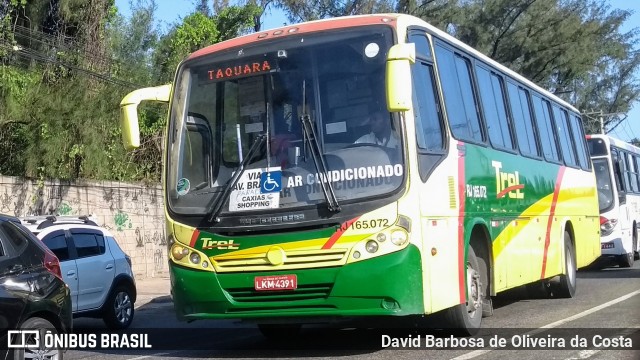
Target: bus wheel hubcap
474 290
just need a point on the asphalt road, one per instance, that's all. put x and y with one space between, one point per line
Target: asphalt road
606 306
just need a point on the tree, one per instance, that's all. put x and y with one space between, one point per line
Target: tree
301 10
574 48
198 31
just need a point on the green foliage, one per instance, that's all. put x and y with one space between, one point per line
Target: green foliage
233 20
59 115
572 47
196 31
303 10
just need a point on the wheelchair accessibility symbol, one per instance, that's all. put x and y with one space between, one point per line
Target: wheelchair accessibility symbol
270 182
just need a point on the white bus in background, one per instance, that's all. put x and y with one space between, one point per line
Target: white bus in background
617 165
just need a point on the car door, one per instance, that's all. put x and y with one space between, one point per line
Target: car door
96 268
13 290
58 243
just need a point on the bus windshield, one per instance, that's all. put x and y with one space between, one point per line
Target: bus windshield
223 104
605 188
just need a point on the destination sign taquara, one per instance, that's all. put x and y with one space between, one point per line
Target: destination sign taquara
240 70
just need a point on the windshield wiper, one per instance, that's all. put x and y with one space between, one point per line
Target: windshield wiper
309 135
217 206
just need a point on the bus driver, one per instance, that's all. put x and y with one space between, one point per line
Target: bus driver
381 133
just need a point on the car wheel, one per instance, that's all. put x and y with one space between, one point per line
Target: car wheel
42 326
119 309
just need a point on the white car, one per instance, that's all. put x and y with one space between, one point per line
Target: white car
97 271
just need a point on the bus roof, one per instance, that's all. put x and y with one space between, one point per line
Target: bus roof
616 142
362 20
301 28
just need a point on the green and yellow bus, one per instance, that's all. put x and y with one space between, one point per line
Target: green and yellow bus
365 166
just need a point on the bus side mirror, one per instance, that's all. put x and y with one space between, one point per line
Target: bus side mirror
129 111
398 77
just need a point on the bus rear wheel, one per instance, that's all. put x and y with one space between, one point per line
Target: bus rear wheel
465 319
566 287
626 260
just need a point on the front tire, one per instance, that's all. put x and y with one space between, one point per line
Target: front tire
119 309
635 251
41 352
465 319
567 285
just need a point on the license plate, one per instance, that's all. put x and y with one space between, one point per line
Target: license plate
274 283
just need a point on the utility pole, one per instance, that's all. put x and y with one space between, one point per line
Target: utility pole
599 116
601 123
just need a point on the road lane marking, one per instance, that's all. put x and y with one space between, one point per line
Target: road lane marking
476 353
154 355
584 354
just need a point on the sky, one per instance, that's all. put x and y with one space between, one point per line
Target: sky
171 11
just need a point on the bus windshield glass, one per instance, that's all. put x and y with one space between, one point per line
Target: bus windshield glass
605 188
224 104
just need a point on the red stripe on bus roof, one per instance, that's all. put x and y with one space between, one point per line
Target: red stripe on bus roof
302 28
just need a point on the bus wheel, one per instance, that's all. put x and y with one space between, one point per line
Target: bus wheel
567 285
635 251
626 260
465 319
279 332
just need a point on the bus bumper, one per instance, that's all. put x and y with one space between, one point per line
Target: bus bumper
612 247
386 285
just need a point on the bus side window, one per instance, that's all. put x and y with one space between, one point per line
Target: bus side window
618 170
545 129
636 166
564 135
524 127
580 140
495 115
429 127
630 173
459 97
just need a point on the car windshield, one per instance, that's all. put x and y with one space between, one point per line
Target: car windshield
603 179
225 105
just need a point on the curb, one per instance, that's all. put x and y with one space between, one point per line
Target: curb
161 299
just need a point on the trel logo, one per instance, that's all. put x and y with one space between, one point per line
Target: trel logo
507 183
208 243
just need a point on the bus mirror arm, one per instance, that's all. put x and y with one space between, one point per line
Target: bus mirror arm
129 111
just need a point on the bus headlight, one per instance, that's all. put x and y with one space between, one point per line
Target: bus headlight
381 237
371 246
195 258
179 252
399 237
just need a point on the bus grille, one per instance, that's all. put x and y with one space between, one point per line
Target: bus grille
303 292
294 259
